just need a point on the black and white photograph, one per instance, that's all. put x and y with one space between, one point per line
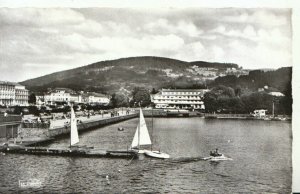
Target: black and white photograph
146 99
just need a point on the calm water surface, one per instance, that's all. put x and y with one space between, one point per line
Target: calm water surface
261 152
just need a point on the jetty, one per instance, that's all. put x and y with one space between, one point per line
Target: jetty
89 124
33 145
74 151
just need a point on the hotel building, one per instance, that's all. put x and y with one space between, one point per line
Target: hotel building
179 99
95 98
62 95
12 94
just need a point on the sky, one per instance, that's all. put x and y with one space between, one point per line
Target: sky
39 41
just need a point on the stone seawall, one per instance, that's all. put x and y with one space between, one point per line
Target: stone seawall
86 125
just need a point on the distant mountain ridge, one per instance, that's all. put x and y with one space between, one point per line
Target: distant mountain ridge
127 73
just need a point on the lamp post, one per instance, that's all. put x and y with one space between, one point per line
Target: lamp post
273 109
275 100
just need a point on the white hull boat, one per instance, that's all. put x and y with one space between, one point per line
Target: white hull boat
157 154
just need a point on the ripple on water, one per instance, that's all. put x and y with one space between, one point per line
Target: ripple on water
261 153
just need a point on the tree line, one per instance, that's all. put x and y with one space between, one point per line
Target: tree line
225 99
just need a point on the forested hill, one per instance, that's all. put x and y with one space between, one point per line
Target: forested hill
127 73
277 80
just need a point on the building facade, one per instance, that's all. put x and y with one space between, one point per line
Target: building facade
12 94
259 113
179 99
95 98
62 95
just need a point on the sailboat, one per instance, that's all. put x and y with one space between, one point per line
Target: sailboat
142 138
74 139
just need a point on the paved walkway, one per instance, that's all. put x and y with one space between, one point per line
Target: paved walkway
35 137
61 122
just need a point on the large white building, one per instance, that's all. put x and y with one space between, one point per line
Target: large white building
179 98
68 96
12 94
62 95
95 98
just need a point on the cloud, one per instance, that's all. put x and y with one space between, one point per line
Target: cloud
265 17
259 56
54 39
40 17
180 27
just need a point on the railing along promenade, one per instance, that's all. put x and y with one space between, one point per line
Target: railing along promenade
227 115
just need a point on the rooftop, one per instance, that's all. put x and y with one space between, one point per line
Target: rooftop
95 94
184 90
68 90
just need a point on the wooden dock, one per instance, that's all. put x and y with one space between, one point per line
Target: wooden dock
73 152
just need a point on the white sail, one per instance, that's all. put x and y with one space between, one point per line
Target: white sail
74 132
141 136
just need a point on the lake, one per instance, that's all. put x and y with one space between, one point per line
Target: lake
261 153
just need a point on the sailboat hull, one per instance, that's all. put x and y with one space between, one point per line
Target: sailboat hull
157 154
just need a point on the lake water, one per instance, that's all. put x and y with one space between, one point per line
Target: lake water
261 153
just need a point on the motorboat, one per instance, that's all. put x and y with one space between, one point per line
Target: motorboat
215 156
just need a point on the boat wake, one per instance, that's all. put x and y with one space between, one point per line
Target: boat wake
185 159
217 158
199 158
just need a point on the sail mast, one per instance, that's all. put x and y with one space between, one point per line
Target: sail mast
152 128
71 126
139 131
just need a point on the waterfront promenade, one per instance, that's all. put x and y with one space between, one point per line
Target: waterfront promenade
58 127
61 122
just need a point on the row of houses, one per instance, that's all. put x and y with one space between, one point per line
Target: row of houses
68 96
15 94
12 94
166 98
